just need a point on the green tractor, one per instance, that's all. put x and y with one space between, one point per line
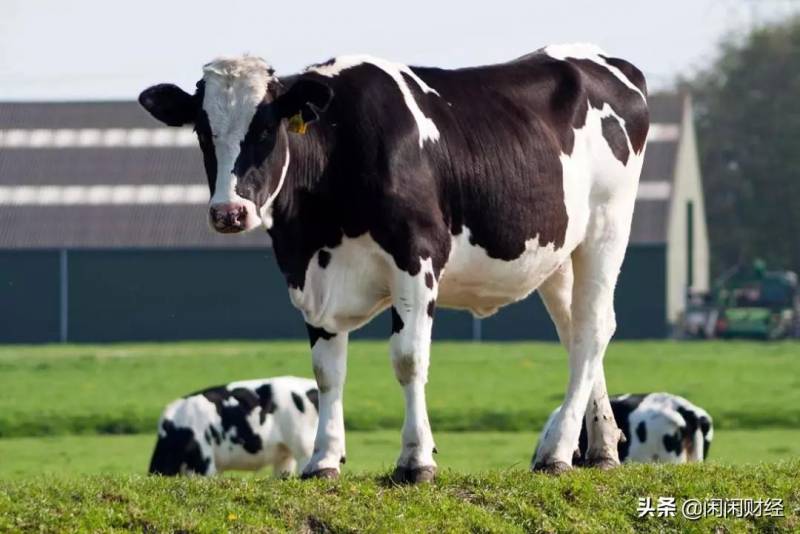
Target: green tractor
752 302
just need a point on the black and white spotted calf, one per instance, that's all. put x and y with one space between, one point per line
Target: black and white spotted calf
244 425
383 185
658 427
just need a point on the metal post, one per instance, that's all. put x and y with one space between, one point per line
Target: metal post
63 300
477 334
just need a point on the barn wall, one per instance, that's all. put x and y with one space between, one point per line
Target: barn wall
29 296
640 298
178 294
117 295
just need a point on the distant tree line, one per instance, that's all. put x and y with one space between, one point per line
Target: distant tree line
747 106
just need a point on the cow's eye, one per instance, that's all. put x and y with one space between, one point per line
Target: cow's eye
263 135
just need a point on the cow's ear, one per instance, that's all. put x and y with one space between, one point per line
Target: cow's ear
303 101
169 104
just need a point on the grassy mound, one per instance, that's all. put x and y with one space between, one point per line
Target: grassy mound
497 501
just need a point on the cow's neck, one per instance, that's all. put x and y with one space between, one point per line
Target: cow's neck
308 158
301 221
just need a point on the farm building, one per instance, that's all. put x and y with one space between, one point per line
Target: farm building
103 238
670 211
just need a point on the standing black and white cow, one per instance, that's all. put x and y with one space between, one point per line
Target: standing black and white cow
658 427
244 425
416 187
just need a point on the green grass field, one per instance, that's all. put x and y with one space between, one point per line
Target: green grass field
77 427
106 389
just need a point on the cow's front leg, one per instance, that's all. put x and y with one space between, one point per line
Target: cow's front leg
414 300
329 357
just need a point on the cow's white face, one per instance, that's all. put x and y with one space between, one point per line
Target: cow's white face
234 91
237 113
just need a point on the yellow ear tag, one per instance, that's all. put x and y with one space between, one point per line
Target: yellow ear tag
297 124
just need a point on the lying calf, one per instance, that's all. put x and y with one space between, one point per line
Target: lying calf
244 425
658 427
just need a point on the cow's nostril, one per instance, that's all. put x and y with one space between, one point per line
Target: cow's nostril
228 217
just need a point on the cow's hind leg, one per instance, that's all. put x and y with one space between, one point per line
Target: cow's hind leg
602 431
556 294
596 263
414 300
329 357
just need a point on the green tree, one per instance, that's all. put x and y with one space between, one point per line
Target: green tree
748 123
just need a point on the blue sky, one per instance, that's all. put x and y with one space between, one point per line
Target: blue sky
107 49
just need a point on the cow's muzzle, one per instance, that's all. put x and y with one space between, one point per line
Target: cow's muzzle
228 218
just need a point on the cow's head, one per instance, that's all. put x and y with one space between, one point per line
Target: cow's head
237 112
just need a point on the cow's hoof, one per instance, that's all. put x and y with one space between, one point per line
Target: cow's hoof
603 464
413 475
326 472
551 468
